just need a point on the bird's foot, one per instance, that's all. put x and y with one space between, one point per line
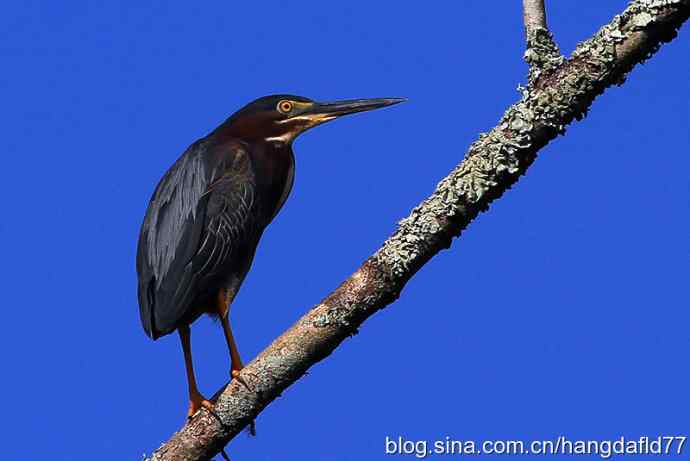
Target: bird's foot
235 374
196 403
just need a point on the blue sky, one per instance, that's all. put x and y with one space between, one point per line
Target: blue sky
561 311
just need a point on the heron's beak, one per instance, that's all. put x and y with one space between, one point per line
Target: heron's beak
324 111
321 112
311 114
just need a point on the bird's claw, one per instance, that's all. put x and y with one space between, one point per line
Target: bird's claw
196 403
235 374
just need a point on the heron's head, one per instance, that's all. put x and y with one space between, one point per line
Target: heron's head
281 118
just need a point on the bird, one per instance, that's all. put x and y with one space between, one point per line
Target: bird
208 212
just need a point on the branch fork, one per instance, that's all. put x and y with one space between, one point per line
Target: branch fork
542 53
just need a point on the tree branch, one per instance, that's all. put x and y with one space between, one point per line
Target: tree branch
493 163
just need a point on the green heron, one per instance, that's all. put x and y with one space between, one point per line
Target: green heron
208 212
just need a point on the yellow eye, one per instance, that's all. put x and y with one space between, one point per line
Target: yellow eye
285 107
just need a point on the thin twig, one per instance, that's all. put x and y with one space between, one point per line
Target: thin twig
534 15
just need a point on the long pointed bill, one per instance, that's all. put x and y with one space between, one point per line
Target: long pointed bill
311 114
331 110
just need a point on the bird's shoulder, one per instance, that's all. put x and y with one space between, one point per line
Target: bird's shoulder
229 164
177 207
203 166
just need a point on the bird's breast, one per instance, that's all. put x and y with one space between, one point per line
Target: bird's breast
275 177
286 187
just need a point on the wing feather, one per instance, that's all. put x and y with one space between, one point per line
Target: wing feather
197 220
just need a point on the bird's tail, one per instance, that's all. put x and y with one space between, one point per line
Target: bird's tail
147 303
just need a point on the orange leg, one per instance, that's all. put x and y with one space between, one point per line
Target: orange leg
196 400
235 360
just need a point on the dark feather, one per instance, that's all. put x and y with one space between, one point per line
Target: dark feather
198 218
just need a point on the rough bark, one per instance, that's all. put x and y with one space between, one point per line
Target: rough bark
559 91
